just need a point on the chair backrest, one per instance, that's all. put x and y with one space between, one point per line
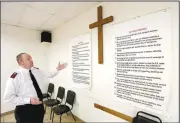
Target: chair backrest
143 119
50 88
60 93
70 97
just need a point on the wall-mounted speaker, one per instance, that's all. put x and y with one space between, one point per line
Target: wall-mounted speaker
46 36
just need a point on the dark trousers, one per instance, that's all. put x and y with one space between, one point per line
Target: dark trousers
29 113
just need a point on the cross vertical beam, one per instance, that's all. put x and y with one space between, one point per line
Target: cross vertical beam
99 24
100 36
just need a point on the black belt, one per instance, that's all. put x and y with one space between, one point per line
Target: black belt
28 105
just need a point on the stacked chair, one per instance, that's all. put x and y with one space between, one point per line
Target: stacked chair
148 118
56 104
65 108
57 101
49 91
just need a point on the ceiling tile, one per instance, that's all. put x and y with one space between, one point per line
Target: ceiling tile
47 27
11 12
9 22
41 15
70 9
27 3
34 17
50 7
28 26
54 21
3 29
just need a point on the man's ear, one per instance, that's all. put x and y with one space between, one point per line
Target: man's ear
20 62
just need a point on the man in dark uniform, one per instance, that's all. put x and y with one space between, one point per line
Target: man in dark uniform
22 89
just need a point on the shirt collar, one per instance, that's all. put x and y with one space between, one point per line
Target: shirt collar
24 69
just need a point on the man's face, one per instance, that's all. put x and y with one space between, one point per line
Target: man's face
26 61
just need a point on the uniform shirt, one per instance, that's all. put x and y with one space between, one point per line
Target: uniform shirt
20 88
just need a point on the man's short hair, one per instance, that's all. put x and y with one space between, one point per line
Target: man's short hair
19 57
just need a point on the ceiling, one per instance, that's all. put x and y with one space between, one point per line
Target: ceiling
41 15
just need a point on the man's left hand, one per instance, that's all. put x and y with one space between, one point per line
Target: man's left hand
61 66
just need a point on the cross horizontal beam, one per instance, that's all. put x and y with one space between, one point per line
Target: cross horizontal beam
101 22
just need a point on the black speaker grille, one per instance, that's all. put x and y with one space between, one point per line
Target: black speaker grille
46 36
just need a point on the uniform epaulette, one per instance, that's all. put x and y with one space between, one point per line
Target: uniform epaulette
36 67
13 75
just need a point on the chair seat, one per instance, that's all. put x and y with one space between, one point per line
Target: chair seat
45 95
52 102
61 109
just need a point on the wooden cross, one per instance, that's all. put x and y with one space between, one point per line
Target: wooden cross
99 24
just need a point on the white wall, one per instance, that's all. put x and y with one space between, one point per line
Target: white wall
15 40
101 74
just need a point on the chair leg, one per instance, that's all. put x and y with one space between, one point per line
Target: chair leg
45 108
53 117
51 113
73 116
60 118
